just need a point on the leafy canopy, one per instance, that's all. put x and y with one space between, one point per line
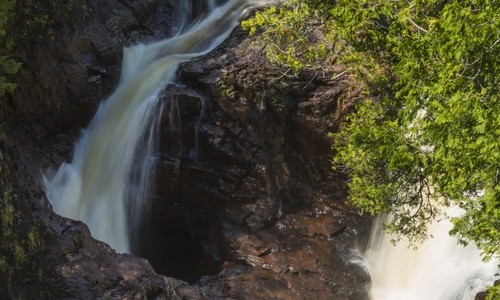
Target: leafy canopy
289 34
426 132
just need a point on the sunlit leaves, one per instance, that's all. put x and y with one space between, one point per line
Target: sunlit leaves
433 133
440 58
289 34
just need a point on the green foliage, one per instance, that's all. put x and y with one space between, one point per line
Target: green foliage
7 65
435 136
6 9
290 37
493 293
19 239
29 23
426 132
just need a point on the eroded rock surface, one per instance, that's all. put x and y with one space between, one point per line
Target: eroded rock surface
247 162
71 54
245 193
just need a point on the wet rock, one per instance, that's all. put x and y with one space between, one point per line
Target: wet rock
484 294
71 61
261 180
246 205
52 257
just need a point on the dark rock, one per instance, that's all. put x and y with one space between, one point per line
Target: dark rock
261 180
72 60
246 205
484 294
62 260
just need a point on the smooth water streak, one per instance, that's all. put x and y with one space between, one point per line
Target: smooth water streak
107 183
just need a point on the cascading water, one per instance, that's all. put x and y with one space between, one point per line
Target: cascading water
188 10
439 269
107 183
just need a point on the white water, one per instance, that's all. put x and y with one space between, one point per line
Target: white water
186 11
439 269
107 183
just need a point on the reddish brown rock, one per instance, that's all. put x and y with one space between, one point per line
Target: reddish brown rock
246 206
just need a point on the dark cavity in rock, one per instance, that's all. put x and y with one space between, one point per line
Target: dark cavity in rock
182 237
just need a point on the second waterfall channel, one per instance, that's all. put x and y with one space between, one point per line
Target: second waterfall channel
106 184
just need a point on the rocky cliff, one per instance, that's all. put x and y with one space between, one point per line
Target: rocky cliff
246 205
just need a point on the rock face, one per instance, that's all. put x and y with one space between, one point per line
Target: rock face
246 205
71 54
45 256
245 168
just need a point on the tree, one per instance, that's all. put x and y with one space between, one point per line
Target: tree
426 132
7 65
289 34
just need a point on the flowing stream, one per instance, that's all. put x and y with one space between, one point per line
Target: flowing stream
439 269
107 182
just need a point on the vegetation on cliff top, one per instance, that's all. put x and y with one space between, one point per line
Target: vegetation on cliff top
426 132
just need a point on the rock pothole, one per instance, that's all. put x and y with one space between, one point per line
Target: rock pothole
180 242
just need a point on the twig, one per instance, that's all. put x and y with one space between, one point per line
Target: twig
416 25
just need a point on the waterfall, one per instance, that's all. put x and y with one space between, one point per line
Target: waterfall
107 182
186 11
439 269
195 152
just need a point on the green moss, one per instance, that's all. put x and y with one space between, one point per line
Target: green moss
19 238
34 240
7 215
7 65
